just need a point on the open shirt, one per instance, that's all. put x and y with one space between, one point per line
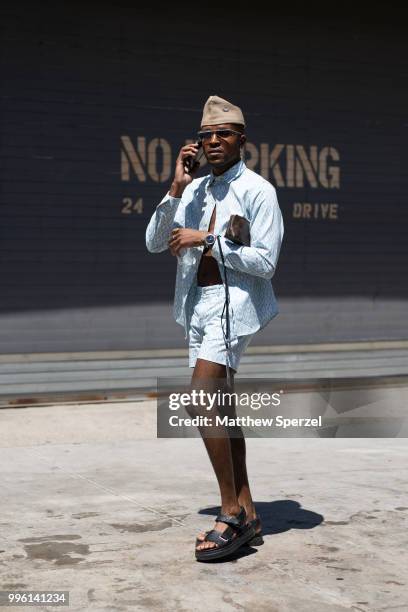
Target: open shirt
250 269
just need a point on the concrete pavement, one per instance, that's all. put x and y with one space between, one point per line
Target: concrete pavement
93 503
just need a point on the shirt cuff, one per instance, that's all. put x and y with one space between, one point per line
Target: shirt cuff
226 248
168 198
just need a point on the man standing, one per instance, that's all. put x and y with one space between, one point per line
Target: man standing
191 221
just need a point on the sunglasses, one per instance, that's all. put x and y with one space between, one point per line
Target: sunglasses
207 135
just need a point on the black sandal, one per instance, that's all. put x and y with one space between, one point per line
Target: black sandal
257 540
226 542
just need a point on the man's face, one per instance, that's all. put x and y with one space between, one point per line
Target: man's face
219 151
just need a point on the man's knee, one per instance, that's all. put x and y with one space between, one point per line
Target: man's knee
204 395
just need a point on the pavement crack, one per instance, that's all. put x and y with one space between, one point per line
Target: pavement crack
101 487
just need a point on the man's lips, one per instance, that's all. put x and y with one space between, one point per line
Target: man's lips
215 152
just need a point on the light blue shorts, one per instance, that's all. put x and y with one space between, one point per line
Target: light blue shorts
206 338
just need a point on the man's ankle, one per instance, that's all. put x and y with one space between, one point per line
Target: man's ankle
231 510
249 509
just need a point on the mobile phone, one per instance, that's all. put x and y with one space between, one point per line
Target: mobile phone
190 161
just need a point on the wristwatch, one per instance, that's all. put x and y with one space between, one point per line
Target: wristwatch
209 240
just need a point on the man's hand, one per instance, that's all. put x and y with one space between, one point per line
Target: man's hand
183 238
181 177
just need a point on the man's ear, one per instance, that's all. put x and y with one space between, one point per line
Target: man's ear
242 141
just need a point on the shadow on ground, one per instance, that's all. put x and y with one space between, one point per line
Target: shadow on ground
279 516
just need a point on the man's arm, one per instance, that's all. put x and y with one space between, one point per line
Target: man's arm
169 212
266 229
162 222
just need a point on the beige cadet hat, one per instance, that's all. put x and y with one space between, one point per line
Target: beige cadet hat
217 110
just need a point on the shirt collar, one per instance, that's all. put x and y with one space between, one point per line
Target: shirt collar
231 174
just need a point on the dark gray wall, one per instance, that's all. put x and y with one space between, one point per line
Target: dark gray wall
81 85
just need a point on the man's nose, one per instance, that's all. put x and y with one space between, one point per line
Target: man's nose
214 138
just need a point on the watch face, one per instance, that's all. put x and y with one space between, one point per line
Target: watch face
210 239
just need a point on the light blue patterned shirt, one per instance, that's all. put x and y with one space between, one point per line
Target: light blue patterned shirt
240 191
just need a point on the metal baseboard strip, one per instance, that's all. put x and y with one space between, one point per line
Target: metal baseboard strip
148 390
369 345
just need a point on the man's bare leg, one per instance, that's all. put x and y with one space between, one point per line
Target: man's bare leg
238 451
242 489
218 449
238 456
